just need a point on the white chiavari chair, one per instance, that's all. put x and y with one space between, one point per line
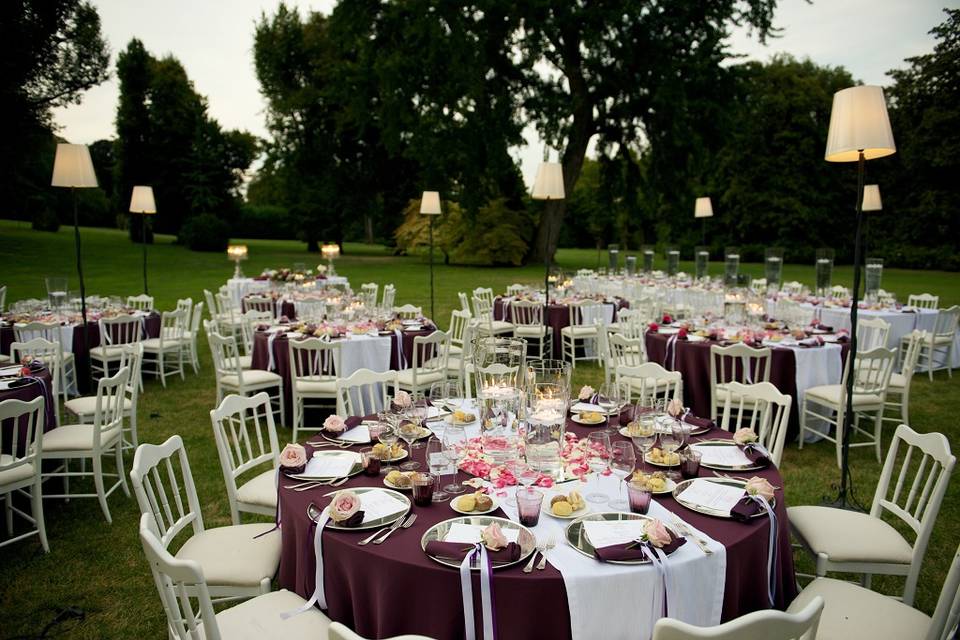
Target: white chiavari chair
20 468
486 325
937 352
389 296
650 380
365 392
163 355
429 363
898 391
114 333
313 376
872 333
735 363
801 624
233 378
142 302
85 407
760 407
408 312
527 317
582 331
923 301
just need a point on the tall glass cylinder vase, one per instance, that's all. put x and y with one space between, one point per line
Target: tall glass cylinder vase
731 266
702 261
548 371
773 267
648 251
631 265
673 261
613 258
874 277
824 271
499 367
545 411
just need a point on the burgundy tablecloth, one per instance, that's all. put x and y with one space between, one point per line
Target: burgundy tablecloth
42 386
287 308
692 360
558 317
370 588
400 358
81 353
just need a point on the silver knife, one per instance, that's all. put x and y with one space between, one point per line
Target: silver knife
406 525
388 529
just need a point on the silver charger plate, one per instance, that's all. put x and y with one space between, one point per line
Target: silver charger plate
678 496
526 539
379 522
576 536
720 467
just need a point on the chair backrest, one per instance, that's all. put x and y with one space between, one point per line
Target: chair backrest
792 288
916 496
430 354
768 624
464 302
947 321
908 364
483 311
48 352
515 288
171 327
211 303
246 437
22 439
182 588
185 305
873 371
485 293
108 410
195 318
923 301
629 352
872 333
408 312
650 380
163 484
760 407
132 358
459 320
526 313
947 614
389 296
739 363
585 312
119 330
248 327
839 291
645 308
364 392
260 303
314 360
226 355
142 302
27 331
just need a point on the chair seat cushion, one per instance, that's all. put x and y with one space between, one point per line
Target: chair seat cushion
252 377
579 331
16 474
849 536
496 326
535 331
4 358
76 437
897 382
114 352
87 405
153 344
405 377
260 618
231 556
851 612
315 386
830 394
260 490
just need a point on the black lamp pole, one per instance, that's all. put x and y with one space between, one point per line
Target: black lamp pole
143 232
84 369
432 314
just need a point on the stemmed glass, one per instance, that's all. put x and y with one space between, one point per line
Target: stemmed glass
598 459
442 395
623 460
417 414
388 438
608 399
437 461
454 440
645 433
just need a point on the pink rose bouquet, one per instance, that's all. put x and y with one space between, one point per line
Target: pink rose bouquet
757 486
402 399
293 458
744 436
345 509
334 424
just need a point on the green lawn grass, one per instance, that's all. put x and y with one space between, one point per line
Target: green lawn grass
100 569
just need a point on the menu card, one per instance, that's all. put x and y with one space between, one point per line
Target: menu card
331 464
724 456
712 495
604 533
470 533
379 504
360 433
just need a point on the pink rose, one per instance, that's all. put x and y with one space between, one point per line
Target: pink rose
293 455
493 537
402 399
757 486
745 435
344 505
585 392
335 424
656 533
675 407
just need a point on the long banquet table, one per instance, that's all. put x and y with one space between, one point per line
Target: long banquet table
41 384
395 588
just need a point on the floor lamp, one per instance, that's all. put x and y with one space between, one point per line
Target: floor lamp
141 201
703 209
548 185
73 168
430 206
859 131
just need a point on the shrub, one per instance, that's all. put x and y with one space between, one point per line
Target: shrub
204 232
43 217
264 221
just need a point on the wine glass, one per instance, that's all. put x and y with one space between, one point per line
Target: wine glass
598 459
442 394
680 432
623 460
608 399
454 440
417 414
437 461
388 438
409 430
526 474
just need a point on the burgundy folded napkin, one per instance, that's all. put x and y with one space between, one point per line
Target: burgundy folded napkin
292 471
700 423
815 341
824 327
20 382
459 550
746 509
632 550
353 521
756 456
843 338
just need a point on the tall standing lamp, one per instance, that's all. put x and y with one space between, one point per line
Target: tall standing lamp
703 208
548 186
73 169
859 131
430 206
141 201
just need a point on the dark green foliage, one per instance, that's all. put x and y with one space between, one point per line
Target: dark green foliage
264 221
205 232
42 215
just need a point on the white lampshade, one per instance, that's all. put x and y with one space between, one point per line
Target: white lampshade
549 182
703 208
72 167
871 198
859 122
430 203
142 200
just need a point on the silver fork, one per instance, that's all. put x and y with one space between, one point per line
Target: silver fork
551 543
529 566
686 531
376 533
406 525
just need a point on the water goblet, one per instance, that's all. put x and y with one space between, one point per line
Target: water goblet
438 462
608 399
598 459
388 438
623 460
454 441
409 430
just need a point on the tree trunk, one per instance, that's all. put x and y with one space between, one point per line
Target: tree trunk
368 228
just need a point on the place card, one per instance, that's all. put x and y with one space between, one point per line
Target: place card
331 464
379 504
722 456
604 533
360 433
470 533
714 496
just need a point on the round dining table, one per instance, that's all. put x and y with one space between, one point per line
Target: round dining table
558 316
395 588
38 384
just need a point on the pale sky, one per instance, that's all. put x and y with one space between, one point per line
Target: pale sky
214 41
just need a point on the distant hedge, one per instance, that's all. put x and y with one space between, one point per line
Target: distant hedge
205 232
